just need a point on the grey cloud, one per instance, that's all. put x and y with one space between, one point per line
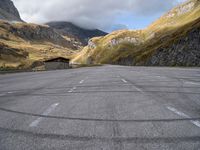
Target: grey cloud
88 13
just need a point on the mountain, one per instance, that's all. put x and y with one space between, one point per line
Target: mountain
22 44
78 34
172 40
8 11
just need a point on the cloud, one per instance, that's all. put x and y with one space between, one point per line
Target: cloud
89 13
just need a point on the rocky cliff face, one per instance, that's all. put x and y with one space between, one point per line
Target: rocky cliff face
35 33
5 50
184 52
79 34
8 11
41 34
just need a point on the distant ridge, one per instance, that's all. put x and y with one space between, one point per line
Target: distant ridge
73 31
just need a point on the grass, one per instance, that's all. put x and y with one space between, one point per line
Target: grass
21 53
166 31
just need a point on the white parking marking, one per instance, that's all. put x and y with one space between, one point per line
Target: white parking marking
160 77
46 112
138 89
124 80
81 81
187 82
2 94
197 123
71 90
10 92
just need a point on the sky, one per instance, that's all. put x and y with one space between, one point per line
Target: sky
107 15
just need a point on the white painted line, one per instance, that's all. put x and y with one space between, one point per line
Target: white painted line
160 77
2 94
10 92
124 80
177 112
192 83
71 90
138 89
197 123
46 112
81 81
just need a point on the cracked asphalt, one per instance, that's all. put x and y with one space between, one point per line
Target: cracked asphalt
101 108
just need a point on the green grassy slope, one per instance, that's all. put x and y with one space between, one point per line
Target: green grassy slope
138 46
21 44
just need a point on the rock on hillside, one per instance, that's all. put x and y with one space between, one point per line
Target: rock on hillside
79 34
35 33
184 52
8 11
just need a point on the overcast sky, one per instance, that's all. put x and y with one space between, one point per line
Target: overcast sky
102 14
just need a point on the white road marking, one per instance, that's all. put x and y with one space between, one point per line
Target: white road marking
187 82
10 92
138 89
197 123
46 112
71 90
160 77
81 81
124 80
2 94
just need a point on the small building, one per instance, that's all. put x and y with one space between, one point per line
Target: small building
57 63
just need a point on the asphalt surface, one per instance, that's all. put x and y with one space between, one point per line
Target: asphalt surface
101 108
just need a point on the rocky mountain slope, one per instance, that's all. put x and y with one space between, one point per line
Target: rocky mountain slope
79 35
8 11
172 40
22 44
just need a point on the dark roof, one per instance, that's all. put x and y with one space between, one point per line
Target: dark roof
60 59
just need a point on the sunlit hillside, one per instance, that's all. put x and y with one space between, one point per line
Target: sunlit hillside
137 47
22 44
